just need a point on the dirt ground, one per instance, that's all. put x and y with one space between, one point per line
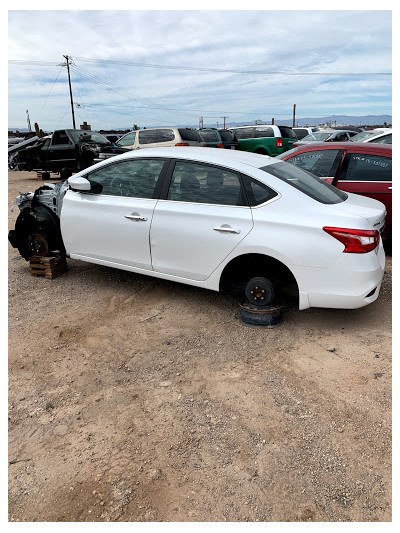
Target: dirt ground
137 399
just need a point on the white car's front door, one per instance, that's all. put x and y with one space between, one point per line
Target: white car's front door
111 223
203 219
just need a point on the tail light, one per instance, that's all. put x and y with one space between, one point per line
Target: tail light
356 241
295 145
279 143
220 145
182 144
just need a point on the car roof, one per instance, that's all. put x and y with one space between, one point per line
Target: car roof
203 155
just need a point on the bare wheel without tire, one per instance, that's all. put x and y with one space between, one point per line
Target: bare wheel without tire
259 291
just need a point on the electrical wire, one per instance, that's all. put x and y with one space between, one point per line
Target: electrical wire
232 71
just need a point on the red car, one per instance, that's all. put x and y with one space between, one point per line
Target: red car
361 168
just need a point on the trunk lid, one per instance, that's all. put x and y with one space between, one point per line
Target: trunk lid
371 210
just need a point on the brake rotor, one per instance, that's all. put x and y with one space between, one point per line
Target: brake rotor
38 244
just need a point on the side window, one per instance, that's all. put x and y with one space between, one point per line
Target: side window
60 137
244 133
259 133
257 193
321 163
128 139
204 184
365 167
135 178
156 136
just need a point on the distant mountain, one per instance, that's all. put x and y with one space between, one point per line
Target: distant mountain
333 120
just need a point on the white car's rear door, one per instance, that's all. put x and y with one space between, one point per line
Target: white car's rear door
199 224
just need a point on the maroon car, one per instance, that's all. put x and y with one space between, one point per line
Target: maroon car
361 168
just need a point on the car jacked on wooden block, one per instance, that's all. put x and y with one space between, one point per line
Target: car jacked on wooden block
223 220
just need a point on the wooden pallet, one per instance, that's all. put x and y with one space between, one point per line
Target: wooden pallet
49 267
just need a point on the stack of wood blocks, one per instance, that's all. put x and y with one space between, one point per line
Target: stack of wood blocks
49 267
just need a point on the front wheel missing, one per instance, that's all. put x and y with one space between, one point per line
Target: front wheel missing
37 244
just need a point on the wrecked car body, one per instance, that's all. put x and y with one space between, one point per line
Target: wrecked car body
65 151
37 228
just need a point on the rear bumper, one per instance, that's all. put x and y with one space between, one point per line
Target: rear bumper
351 282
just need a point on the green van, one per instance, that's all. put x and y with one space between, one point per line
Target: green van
265 139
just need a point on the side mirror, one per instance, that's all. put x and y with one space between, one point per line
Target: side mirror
79 183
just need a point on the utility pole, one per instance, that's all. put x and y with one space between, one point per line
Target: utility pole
29 121
294 115
70 93
224 121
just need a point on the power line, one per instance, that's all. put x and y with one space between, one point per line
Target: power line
234 71
200 69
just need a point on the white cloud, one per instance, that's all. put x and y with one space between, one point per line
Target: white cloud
291 41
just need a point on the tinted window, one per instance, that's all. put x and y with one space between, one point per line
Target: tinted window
287 133
257 193
195 182
259 133
227 135
209 136
321 163
190 135
307 183
135 179
244 133
156 136
340 137
92 136
60 137
300 133
362 167
127 140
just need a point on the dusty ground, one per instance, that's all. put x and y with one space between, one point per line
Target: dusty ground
136 399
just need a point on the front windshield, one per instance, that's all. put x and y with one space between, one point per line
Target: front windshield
305 182
92 136
364 135
317 136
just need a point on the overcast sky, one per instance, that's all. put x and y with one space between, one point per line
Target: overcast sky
113 88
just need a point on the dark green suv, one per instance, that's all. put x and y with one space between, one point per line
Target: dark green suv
216 138
265 139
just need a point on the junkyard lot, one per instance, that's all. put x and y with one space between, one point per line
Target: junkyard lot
137 399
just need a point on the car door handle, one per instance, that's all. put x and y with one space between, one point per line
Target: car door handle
390 188
135 216
227 229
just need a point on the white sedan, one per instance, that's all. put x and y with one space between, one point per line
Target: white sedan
221 220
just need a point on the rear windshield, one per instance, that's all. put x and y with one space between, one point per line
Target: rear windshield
92 136
364 135
318 136
310 185
190 135
209 136
287 133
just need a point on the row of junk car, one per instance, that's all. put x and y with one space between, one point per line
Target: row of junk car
276 216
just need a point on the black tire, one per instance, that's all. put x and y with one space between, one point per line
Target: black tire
259 291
